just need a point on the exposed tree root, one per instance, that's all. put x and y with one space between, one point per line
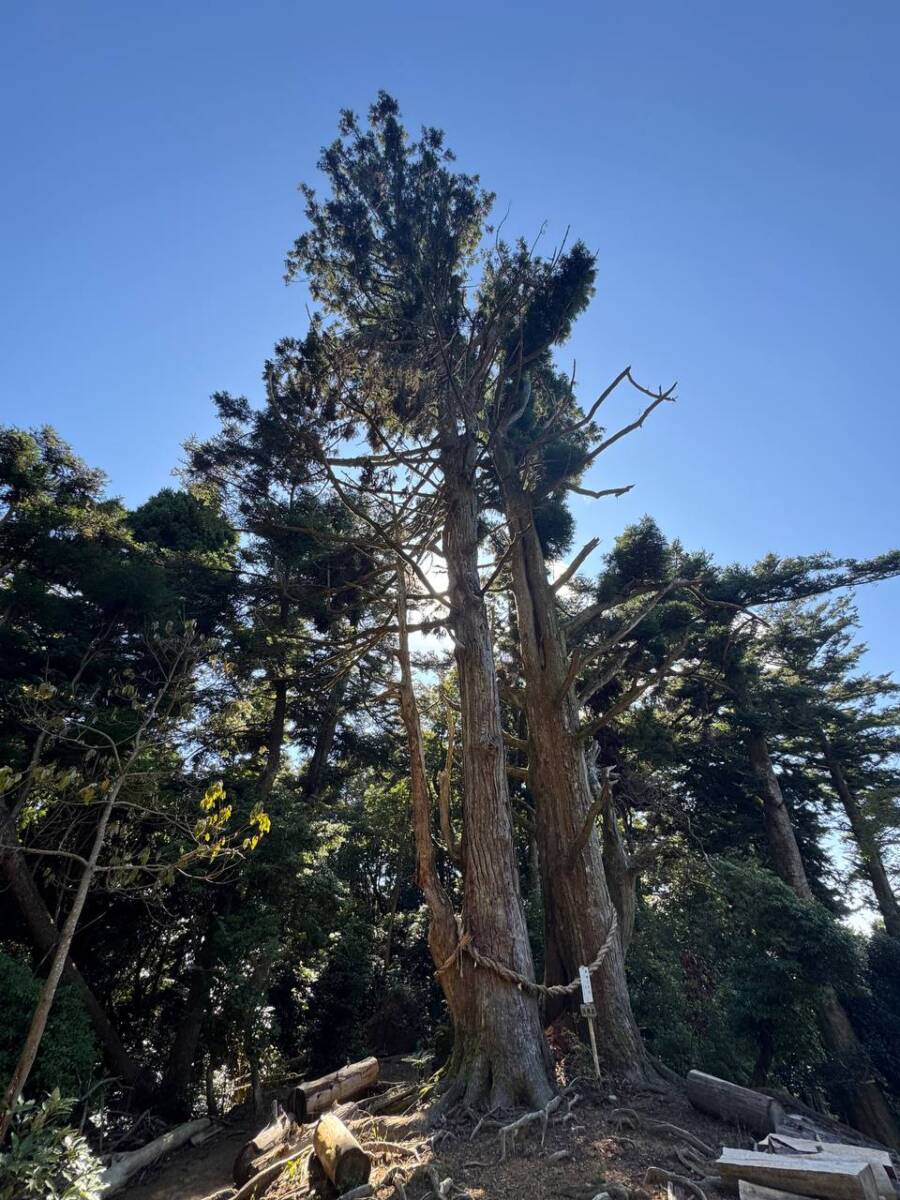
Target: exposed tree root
660 1175
631 1119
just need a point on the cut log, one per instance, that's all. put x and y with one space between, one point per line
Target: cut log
123 1166
751 1110
755 1191
276 1134
311 1099
301 1140
342 1157
818 1175
880 1160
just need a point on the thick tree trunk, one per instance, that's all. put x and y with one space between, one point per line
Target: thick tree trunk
45 936
873 863
500 1056
498 1053
578 907
859 1097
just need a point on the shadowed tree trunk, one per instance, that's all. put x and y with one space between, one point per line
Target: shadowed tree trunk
327 731
177 1094
873 863
860 1096
578 907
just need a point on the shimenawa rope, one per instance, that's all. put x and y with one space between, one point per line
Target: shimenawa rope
466 945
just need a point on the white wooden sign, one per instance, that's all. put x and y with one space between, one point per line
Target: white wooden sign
587 994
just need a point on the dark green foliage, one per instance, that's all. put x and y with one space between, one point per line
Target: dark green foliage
726 972
876 1008
179 521
68 1055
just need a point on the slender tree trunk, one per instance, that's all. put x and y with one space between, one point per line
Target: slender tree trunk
578 907
45 938
57 965
275 739
859 1096
500 1056
621 875
869 852
315 770
442 929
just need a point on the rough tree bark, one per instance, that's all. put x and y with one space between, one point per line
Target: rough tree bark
860 1096
578 907
499 1056
869 852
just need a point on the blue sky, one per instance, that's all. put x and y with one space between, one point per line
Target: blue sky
734 166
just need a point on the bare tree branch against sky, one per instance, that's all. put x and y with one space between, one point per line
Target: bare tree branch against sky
732 165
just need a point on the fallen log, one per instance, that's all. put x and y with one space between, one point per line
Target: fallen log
276 1134
342 1157
814 1175
751 1110
880 1160
309 1100
129 1162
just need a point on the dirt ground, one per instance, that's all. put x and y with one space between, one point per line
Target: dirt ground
603 1146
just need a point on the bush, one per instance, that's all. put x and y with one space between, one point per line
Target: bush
47 1158
68 1052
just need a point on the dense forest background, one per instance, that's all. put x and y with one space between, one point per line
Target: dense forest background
234 719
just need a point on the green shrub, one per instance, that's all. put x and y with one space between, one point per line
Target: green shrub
68 1052
47 1159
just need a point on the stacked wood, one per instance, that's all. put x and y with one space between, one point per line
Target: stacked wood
880 1160
818 1175
277 1134
741 1106
341 1156
128 1163
309 1100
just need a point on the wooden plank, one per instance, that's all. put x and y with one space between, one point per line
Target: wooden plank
755 1191
801 1175
880 1160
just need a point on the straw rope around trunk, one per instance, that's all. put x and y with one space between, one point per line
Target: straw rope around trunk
465 945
